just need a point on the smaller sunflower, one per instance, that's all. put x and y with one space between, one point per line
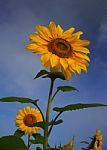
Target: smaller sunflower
26 117
98 140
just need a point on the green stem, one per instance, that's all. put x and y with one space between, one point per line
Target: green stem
39 110
55 94
54 122
28 141
45 146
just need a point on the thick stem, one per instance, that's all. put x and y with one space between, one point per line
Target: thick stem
45 146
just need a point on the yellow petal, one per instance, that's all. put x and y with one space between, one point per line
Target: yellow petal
31 46
24 110
45 59
82 61
20 112
41 50
19 117
81 49
55 69
63 63
71 142
28 110
54 60
71 63
69 31
83 67
67 73
59 31
38 39
53 29
78 69
77 34
81 43
82 56
44 32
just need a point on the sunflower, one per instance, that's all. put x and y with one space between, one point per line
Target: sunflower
26 117
68 146
98 140
60 50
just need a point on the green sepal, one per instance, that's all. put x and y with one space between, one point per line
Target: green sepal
41 73
77 106
19 133
12 142
55 75
66 88
52 75
56 122
17 99
40 124
39 139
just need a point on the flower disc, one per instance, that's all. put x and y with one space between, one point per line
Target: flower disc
26 117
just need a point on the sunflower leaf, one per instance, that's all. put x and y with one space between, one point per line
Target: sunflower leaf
19 133
56 122
84 142
17 99
77 106
12 142
39 139
66 88
38 148
41 73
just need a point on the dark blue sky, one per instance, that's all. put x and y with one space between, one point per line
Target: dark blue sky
18 67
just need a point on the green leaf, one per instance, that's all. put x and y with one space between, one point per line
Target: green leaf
84 149
41 73
77 106
19 133
91 145
52 149
66 88
84 142
16 99
39 124
38 148
56 122
39 139
54 75
12 143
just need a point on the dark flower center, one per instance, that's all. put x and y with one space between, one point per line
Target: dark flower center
60 47
29 120
98 143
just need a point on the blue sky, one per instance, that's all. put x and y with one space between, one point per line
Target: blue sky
18 66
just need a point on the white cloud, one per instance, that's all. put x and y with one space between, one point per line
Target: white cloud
103 32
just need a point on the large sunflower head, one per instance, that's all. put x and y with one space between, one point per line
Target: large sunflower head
26 117
98 140
60 50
